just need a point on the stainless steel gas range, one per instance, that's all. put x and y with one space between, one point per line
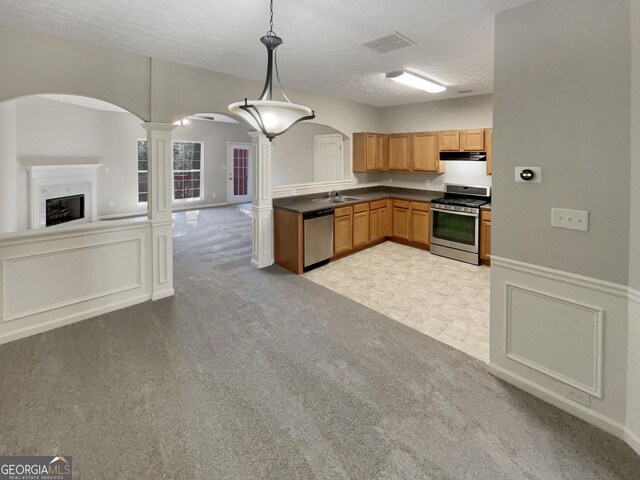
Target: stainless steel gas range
455 222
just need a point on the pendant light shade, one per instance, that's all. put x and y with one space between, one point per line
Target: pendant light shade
269 116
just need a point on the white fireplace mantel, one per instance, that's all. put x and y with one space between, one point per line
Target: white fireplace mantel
51 181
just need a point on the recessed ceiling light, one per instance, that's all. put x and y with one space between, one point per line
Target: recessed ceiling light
416 81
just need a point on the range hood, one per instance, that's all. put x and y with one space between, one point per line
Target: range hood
463 156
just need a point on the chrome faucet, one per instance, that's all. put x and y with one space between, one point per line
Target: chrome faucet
334 193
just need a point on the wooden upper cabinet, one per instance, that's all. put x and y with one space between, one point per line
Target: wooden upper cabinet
424 147
449 141
399 151
472 140
488 144
370 152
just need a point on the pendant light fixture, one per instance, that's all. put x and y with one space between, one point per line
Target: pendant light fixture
269 116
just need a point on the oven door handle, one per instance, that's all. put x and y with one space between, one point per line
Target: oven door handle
455 213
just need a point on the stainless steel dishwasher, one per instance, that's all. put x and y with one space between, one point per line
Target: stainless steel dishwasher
318 237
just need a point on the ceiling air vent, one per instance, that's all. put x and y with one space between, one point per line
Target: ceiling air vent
388 43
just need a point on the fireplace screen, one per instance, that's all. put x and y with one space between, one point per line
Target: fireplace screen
64 209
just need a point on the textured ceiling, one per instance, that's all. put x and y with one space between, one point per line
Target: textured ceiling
322 49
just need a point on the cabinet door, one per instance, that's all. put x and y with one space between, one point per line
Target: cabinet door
343 234
449 141
472 140
420 226
399 152
488 145
374 225
360 229
375 152
371 151
425 152
401 222
485 241
384 224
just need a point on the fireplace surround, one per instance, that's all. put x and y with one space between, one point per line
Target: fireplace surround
62 194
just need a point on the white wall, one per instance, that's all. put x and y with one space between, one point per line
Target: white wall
460 113
633 383
559 302
8 166
293 154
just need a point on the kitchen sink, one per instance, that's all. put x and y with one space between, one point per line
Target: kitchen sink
332 200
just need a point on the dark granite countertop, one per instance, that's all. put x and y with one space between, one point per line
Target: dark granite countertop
305 203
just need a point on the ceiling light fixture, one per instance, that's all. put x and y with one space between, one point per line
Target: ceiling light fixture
416 81
271 117
182 122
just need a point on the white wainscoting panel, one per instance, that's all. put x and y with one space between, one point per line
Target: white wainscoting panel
52 278
633 373
555 336
563 333
46 281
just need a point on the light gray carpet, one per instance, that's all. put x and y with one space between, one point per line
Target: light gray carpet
263 374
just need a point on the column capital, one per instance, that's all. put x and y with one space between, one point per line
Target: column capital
166 127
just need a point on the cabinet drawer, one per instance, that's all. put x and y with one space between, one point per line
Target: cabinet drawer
420 206
485 215
343 211
400 203
378 204
361 207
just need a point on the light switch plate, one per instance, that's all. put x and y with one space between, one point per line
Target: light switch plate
570 219
537 174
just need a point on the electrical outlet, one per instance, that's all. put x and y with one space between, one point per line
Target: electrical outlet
570 219
427 182
390 180
293 192
111 203
106 169
578 396
213 195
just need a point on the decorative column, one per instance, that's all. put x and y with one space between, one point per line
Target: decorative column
160 172
261 203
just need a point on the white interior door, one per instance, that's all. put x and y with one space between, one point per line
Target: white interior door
328 158
239 172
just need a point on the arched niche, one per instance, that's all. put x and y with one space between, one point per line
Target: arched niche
79 149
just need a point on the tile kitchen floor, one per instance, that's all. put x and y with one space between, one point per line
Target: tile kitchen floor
443 298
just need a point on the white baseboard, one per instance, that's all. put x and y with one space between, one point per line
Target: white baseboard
632 439
163 294
61 322
186 206
263 264
554 398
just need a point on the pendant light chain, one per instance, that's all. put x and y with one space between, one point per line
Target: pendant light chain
271 32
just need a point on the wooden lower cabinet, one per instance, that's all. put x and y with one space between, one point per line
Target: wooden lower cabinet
420 223
401 219
343 230
288 233
378 220
360 225
485 236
